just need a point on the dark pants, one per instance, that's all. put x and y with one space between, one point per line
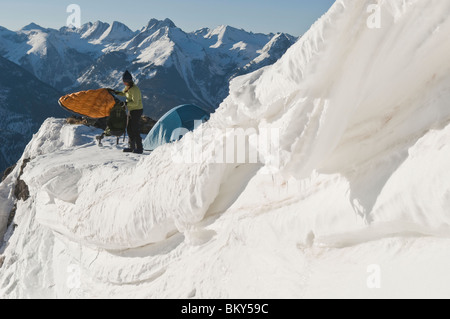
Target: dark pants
134 129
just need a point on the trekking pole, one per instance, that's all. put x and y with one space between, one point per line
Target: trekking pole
128 121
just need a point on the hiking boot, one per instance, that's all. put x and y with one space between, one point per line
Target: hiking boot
138 151
128 150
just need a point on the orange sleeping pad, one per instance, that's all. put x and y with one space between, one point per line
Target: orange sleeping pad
94 103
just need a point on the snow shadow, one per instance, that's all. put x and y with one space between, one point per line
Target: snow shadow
368 182
232 188
158 249
366 187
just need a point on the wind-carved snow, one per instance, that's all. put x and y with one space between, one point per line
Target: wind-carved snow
362 180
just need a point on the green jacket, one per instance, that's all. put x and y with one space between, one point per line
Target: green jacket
134 98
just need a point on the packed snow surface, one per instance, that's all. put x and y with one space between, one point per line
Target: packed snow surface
350 197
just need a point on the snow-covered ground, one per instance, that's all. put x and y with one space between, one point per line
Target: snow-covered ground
358 204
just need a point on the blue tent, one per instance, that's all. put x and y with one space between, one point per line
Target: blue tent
174 125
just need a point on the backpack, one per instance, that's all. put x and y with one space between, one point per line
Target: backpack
117 122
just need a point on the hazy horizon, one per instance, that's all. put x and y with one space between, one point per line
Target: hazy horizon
293 17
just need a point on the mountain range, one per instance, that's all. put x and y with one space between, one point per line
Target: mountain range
25 102
172 67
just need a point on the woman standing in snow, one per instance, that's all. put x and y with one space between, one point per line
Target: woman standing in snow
136 109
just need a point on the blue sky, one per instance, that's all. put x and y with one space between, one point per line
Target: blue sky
291 16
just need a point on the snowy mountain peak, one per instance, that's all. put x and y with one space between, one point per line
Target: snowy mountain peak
270 53
220 31
279 40
226 30
202 32
119 26
85 27
225 36
155 24
99 23
95 30
116 32
33 26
